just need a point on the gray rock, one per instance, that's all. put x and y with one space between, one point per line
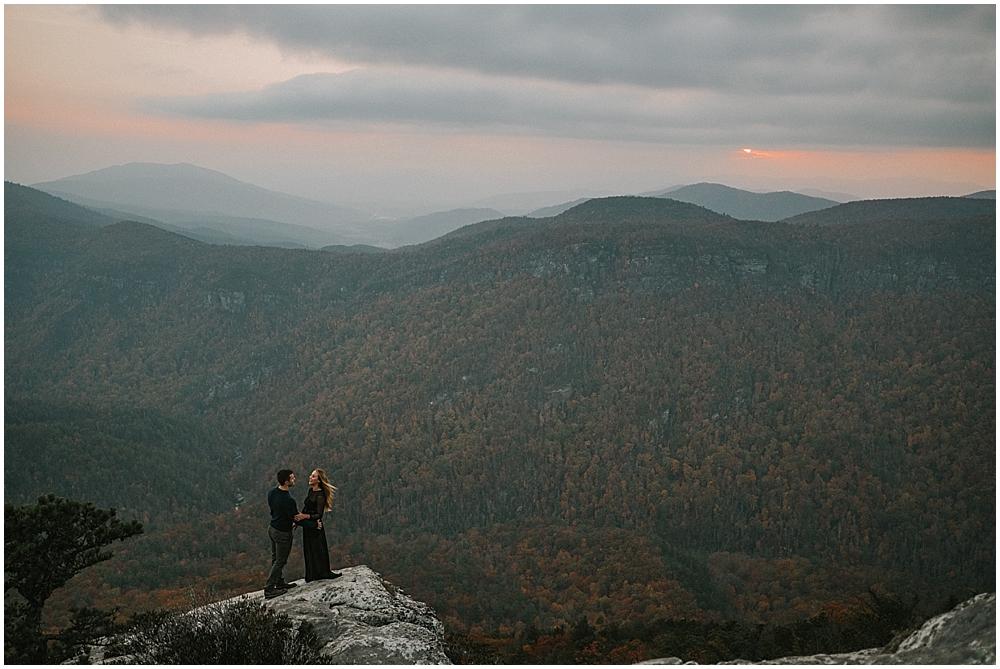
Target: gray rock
361 619
667 660
365 620
965 635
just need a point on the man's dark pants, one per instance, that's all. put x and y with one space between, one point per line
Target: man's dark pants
281 546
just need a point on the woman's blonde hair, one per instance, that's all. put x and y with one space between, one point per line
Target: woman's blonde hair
327 488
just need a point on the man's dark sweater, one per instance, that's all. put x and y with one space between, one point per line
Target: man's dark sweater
283 509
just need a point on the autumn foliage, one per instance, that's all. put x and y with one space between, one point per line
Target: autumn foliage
636 412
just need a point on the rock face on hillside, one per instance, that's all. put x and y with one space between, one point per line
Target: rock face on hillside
965 635
365 620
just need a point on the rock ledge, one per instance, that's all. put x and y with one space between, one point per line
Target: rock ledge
965 635
360 618
365 620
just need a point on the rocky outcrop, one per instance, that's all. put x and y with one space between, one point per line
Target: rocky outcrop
365 620
359 618
965 635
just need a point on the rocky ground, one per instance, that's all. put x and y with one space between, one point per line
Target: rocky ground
965 635
362 619
365 620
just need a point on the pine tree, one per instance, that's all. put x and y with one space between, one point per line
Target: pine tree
45 545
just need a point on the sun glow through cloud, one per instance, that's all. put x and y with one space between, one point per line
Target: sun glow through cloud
83 91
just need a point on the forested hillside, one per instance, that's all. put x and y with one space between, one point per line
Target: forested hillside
140 459
636 410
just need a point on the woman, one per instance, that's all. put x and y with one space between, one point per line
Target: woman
314 548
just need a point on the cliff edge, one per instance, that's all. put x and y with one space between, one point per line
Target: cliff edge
365 620
965 635
357 619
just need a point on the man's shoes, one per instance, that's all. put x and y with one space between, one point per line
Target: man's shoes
271 593
288 586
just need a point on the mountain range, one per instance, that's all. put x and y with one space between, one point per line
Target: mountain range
189 189
637 409
212 207
741 204
209 205
424 228
745 205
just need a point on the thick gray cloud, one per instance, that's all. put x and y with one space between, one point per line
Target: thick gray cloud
877 75
464 102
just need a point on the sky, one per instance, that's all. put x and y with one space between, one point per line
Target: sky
427 106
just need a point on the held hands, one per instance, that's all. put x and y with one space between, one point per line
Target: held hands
300 516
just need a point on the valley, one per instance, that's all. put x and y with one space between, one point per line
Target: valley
637 409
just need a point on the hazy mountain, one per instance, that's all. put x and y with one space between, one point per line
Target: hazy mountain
842 190
354 248
828 195
556 209
983 195
518 204
871 189
424 228
916 208
185 195
743 204
214 229
662 192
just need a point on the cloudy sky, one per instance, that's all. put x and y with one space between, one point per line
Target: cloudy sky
446 104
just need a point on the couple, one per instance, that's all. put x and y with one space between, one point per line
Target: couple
285 517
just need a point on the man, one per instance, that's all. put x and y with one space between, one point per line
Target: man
284 515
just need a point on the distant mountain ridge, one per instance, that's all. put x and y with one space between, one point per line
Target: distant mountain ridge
745 205
218 229
164 187
556 209
913 208
740 204
523 204
192 197
213 207
425 228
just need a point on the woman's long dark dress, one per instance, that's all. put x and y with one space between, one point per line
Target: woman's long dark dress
314 547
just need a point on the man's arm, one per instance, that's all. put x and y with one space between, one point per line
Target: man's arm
291 510
299 516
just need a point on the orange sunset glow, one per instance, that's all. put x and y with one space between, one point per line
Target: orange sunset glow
90 87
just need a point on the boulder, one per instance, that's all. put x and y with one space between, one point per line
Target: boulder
965 635
365 620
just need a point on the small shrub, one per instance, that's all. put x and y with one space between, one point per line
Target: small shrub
242 632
